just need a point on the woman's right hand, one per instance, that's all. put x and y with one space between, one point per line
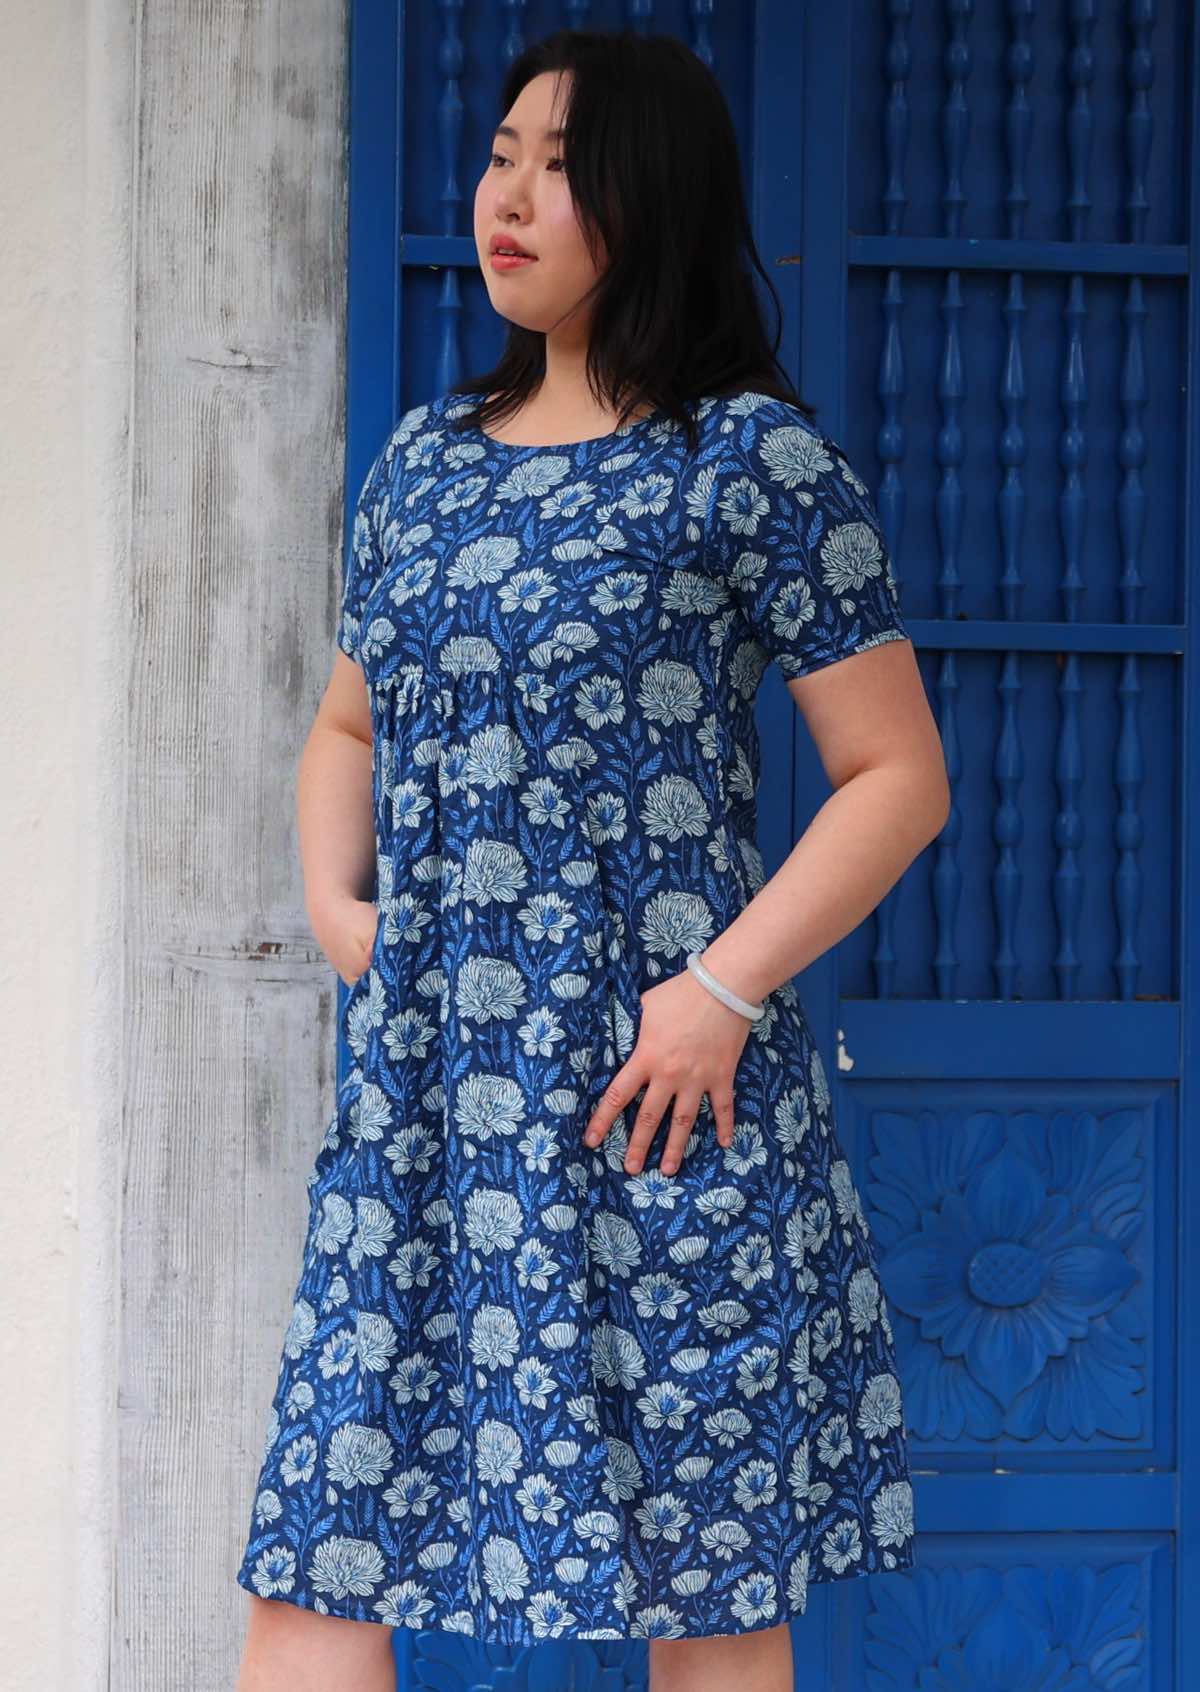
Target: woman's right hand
345 931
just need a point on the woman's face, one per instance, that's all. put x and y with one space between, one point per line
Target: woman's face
523 193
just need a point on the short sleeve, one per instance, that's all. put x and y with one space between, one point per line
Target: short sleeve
376 534
364 560
796 538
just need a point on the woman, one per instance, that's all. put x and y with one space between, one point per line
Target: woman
589 1339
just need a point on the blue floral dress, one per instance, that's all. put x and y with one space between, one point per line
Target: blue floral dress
522 1393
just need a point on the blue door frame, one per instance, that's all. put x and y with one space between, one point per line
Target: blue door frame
981 224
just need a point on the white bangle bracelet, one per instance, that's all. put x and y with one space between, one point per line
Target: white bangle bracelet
725 994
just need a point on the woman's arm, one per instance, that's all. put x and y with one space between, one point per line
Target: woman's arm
881 750
335 822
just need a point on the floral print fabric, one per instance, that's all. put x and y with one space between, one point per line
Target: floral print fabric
524 1394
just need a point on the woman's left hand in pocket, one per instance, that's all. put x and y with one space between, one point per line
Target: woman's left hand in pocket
688 1044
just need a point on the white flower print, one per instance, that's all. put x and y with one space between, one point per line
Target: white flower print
357 1455
892 1513
862 1300
833 1442
665 1405
342 1564
505 1570
524 1393
842 1545
674 808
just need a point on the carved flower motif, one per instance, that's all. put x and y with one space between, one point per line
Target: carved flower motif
1008 1251
1079 1627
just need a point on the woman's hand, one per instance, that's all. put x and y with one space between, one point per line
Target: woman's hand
688 1044
344 929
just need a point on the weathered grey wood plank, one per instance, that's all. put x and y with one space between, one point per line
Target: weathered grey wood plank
236 453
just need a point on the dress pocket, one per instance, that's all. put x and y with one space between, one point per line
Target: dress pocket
361 982
624 1002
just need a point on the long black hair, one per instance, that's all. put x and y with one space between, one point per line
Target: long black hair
651 157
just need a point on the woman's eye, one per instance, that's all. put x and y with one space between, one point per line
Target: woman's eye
499 158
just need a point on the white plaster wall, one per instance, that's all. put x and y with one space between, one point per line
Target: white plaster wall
64 258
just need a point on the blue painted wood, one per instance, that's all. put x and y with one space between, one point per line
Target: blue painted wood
982 634
980 221
1132 503
1186 1638
373 302
1109 1503
948 508
890 440
908 1037
1098 258
774 190
910 253
1061 1607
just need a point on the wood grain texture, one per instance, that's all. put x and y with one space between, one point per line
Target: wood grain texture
238 278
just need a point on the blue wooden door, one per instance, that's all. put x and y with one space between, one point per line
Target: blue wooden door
980 220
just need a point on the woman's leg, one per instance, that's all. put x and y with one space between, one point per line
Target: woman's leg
750 1662
292 1650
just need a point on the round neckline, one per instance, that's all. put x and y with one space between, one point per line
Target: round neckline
617 436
